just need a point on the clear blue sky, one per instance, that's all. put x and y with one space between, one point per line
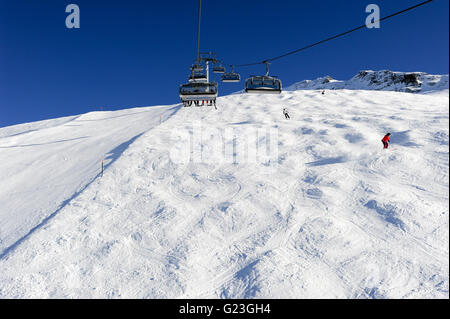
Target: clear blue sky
136 53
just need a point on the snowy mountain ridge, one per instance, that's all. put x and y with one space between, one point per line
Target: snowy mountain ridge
385 80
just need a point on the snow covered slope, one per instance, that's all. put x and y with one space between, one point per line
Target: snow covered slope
45 164
326 213
412 82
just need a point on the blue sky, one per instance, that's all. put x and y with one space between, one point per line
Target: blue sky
136 53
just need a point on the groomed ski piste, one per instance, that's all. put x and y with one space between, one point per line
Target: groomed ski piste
326 213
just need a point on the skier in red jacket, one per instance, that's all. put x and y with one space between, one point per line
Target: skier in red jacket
386 140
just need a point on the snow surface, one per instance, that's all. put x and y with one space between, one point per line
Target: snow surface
330 215
45 164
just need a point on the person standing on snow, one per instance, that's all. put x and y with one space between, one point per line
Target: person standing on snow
286 114
386 140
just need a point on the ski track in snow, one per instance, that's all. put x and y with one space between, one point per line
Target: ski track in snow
339 218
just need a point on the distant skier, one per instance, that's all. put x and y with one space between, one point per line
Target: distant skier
286 114
386 140
323 92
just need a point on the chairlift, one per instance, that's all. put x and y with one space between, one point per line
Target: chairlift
199 90
197 76
263 84
219 69
197 67
230 77
195 92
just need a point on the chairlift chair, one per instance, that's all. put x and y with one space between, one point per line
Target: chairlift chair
263 84
219 69
198 91
197 67
230 77
197 76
